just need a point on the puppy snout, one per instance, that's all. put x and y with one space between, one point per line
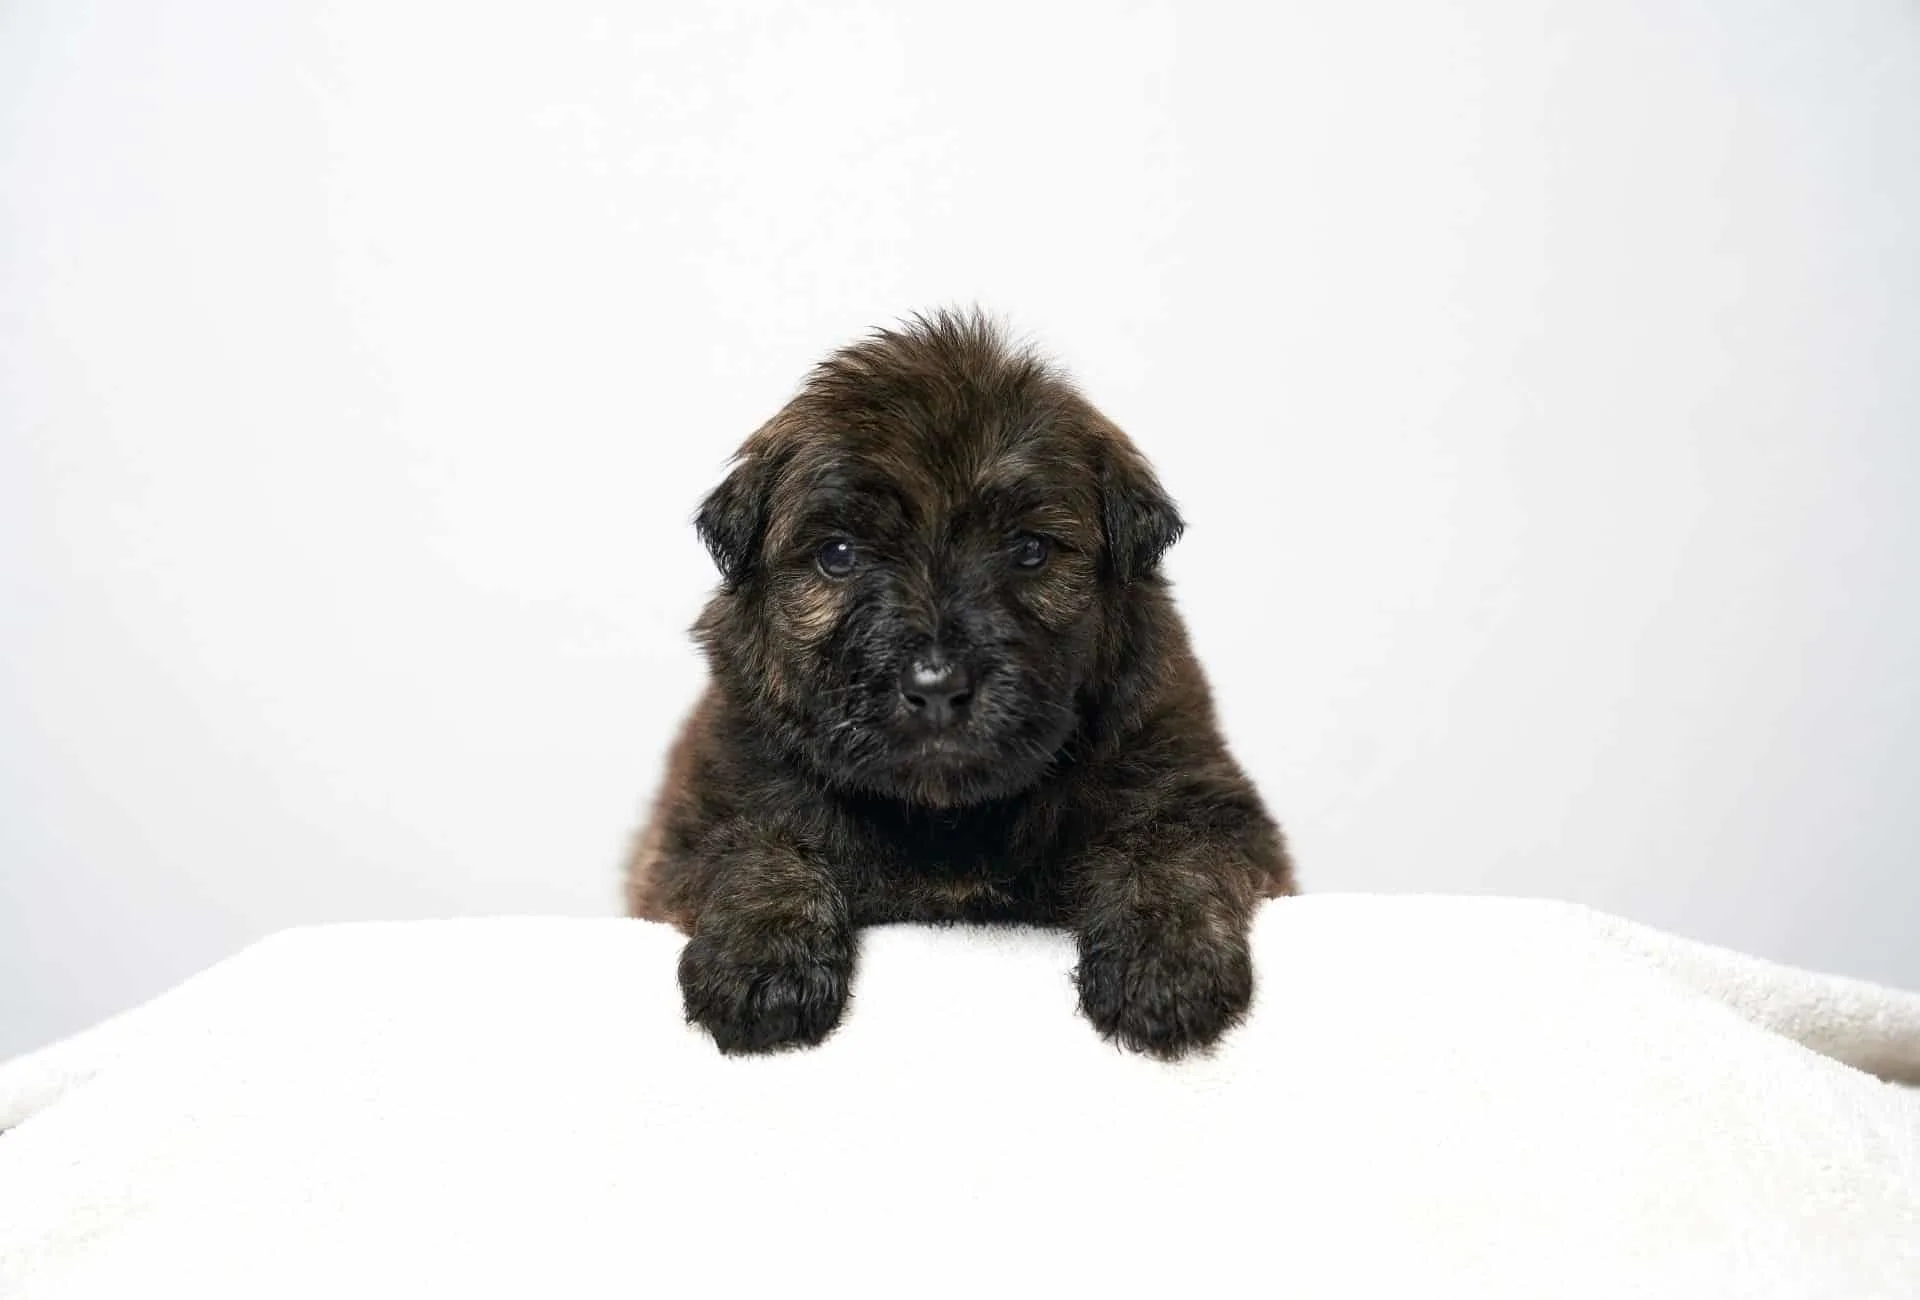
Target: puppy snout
937 687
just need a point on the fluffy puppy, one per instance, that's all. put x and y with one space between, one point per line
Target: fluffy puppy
949 683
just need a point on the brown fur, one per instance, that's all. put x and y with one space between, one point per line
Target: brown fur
1086 784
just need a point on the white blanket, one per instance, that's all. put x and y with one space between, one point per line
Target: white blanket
1465 1097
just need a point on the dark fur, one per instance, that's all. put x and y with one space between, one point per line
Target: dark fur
1089 786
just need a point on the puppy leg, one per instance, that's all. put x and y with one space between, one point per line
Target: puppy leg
1162 923
771 954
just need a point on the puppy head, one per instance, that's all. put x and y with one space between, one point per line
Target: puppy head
937 561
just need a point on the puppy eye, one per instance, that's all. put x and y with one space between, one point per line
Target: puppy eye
1030 550
835 558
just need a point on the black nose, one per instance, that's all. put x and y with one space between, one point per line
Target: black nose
936 687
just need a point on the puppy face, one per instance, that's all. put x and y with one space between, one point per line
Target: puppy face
928 558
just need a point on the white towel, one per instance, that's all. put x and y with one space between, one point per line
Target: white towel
1468 1097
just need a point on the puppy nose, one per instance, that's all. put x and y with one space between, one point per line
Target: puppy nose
937 688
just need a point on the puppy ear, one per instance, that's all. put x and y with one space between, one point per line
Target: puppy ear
1141 520
733 518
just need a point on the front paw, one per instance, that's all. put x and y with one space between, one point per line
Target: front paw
1162 989
760 996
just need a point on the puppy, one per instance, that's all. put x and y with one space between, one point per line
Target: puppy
948 683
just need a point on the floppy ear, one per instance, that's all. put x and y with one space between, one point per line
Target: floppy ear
1141 521
733 518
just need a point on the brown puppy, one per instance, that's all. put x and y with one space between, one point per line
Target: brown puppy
948 683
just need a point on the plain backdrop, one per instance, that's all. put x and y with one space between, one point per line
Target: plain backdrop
1542 383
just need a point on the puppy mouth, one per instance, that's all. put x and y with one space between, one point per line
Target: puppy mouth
917 744
951 765
946 749
948 761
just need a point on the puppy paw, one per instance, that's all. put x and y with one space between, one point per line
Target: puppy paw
1163 990
760 996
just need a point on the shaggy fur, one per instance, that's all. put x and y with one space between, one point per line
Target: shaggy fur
938 507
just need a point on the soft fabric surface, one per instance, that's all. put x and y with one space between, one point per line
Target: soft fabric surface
1434 1097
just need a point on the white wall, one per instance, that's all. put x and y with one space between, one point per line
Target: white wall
1540 379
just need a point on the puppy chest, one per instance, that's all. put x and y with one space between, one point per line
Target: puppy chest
957 883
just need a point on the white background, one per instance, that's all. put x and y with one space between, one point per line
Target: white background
1541 382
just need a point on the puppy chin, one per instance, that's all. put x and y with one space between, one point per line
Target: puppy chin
944 773
925 786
